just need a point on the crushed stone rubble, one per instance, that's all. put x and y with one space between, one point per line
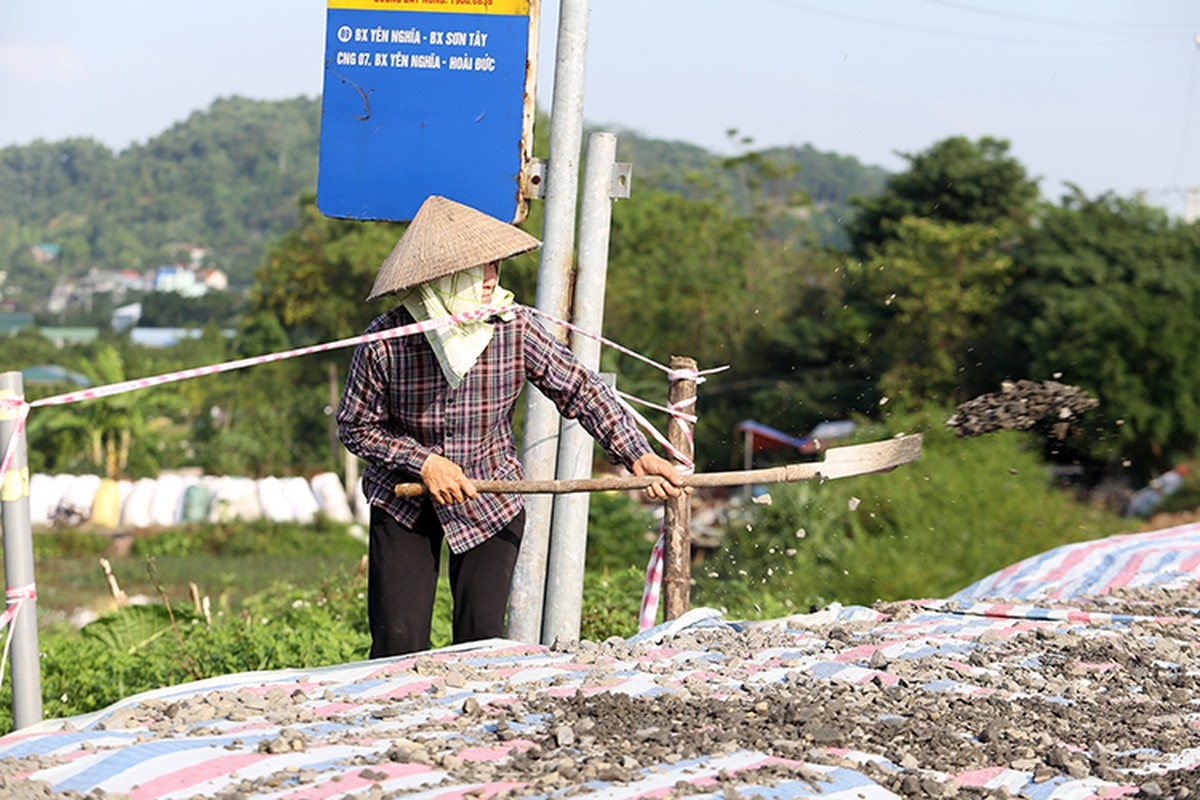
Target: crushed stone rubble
1003 710
1020 405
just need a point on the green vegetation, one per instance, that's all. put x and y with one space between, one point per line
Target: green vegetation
144 647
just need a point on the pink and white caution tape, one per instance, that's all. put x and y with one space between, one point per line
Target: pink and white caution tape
697 375
652 591
665 409
214 369
652 588
654 570
16 597
241 363
658 437
22 416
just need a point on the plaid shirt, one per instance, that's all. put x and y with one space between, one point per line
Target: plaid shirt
397 409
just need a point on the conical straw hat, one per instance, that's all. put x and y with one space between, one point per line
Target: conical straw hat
447 237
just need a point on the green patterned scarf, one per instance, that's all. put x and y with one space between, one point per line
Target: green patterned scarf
457 347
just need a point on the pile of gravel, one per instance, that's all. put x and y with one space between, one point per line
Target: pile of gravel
1110 699
1020 405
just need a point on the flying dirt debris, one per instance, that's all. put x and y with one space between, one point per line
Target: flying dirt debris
1019 405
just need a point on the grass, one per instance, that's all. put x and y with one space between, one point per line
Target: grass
227 563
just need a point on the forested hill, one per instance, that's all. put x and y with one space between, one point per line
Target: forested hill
228 179
818 184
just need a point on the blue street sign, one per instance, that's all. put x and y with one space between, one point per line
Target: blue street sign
426 97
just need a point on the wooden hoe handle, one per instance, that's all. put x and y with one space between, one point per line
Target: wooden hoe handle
840 462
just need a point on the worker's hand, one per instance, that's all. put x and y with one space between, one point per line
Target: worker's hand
654 464
445 481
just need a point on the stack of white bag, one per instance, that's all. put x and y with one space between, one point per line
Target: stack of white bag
175 499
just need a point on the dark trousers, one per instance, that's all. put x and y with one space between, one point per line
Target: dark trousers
402 581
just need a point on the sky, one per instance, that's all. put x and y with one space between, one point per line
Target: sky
1100 94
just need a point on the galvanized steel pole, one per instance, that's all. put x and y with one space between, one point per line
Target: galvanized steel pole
18 563
568 533
558 242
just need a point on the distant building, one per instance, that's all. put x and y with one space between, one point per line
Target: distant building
178 279
184 279
53 373
168 337
101 281
61 297
214 279
45 253
135 281
13 321
79 292
126 317
64 336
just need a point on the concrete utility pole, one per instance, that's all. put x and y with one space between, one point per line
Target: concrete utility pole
568 533
558 235
18 564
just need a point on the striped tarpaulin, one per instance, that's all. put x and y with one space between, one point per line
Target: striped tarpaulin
335 731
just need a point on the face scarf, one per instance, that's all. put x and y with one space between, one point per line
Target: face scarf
457 347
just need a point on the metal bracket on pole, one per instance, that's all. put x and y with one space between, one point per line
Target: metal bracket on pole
622 178
535 179
618 189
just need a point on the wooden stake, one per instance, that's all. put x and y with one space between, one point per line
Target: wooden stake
114 588
677 555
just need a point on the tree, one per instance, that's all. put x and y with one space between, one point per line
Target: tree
957 181
171 310
1105 296
316 279
311 288
43 180
689 277
933 289
931 257
99 435
269 419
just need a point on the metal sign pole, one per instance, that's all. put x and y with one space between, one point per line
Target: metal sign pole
541 416
18 563
568 533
